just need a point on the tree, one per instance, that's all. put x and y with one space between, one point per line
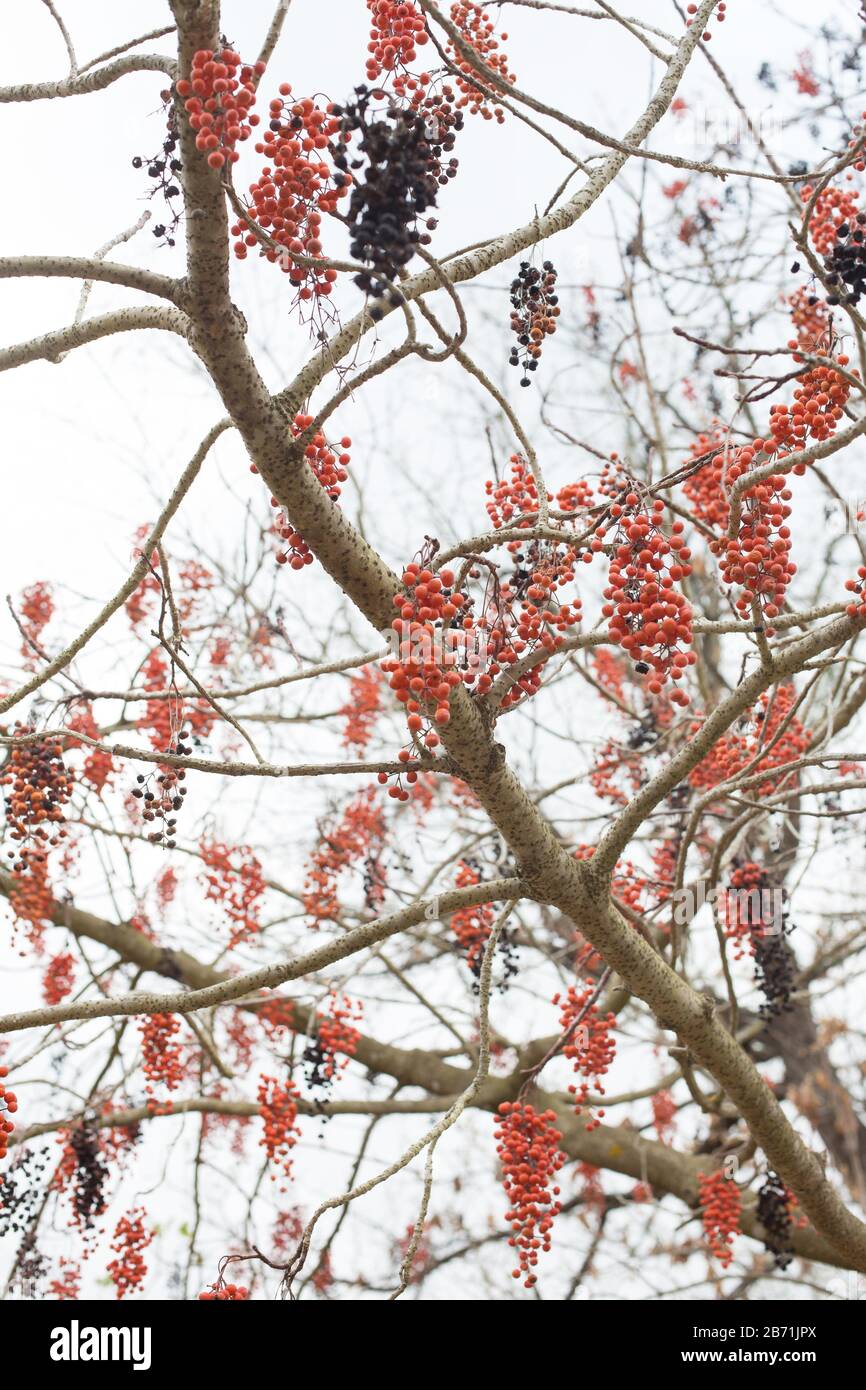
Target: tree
355 839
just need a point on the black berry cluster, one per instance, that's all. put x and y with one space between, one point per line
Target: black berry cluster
163 795
774 1214
89 1176
21 1191
400 184
164 169
774 972
846 263
534 311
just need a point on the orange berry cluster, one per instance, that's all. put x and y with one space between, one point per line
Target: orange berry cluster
329 464
590 1045
356 837
479 32
472 925
757 559
278 1107
161 1056
67 1285
131 1239
335 1041
295 189
361 709
819 403
705 489
721 1205
528 1148
743 917
8 1106
36 612
234 879
646 614
396 32
534 311
58 978
219 96
225 1293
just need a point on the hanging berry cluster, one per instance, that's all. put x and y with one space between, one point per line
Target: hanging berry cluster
721 1205
772 737
334 1042
161 1057
396 33
358 836
479 32
83 1173
67 1285
647 616
856 608
58 979
234 879
294 191
38 787
528 1148
834 208
423 675
225 1293
811 319
400 184
775 1202
362 707
278 1107
98 766
129 1268
8 1106
328 463
163 169
36 609
218 98
472 925
589 1044
534 311
21 1186
664 1115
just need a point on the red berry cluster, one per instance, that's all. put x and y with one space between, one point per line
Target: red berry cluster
219 96
720 16
278 1107
295 189
743 907
98 766
857 607
647 616
534 311
472 925
428 607
589 1045
165 887
58 978
479 32
834 208
67 1285
329 464
361 709
721 1205
819 403
758 557
738 750
234 879
224 1293
8 1106
705 489
664 1115
161 1056
335 1040
528 1148
131 1239
396 32
811 318
35 613
356 837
